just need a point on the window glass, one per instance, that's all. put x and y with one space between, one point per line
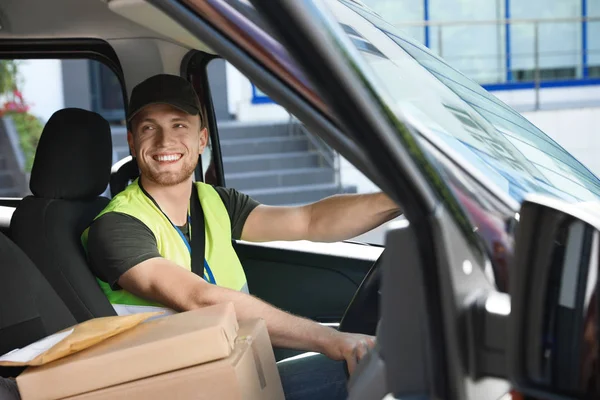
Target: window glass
271 156
559 43
474 126
31 91
400 13
593 38
107 92
482 59
468 121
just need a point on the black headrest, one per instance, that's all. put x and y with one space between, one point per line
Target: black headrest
73 157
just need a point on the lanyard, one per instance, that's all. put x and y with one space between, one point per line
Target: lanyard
205 270
197 246
208 275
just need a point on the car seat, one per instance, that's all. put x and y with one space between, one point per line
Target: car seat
71 169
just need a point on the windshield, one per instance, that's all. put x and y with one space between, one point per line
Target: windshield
461 118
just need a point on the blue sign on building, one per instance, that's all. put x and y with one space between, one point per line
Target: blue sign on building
258 97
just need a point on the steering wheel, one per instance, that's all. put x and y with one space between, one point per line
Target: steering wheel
362 314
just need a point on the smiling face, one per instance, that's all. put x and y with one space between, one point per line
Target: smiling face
166 142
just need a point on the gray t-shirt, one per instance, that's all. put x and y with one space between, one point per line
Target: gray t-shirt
118 242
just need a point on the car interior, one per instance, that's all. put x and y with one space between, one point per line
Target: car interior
45 282
412 295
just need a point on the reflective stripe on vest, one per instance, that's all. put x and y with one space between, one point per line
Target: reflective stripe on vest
124 309
224 263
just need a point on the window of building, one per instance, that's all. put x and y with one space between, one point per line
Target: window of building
476 49
405 14
545 74
594 72
593 39
483 59
558 43
467 34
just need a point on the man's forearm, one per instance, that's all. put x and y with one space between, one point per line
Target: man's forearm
167 283
285 330
342 217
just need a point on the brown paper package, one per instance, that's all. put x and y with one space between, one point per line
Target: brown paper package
151 348
249 373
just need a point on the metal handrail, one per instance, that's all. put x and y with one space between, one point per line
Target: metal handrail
328 154
537 56
511 21
295 127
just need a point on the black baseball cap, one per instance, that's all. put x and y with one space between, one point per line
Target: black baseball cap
164 89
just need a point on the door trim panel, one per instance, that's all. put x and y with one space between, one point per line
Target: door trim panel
351 250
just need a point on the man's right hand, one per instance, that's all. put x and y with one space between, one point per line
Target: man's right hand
351 347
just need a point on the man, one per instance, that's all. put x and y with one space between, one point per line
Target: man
139 246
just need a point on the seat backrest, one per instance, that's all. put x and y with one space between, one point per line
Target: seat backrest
29 308
70 170
122 173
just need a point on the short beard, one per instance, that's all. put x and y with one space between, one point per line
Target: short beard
169 178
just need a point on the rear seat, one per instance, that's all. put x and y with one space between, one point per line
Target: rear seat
29 308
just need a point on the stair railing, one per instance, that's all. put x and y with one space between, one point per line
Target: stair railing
326 153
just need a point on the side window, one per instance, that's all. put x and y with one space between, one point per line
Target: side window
31 91
270 155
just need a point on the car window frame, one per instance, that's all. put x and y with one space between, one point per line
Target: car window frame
62 49
194 68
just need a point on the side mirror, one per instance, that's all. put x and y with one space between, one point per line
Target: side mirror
553 337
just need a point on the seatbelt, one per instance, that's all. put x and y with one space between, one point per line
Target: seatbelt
198 236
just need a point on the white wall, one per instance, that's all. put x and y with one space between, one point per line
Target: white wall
350 176
577 130
42 86
239 98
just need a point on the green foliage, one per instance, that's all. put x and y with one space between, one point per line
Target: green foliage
9 74
29 129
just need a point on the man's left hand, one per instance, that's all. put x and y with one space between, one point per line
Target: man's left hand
351 347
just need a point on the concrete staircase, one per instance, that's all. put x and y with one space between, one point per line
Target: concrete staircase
275 164
266 161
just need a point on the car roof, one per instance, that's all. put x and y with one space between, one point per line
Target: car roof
135 30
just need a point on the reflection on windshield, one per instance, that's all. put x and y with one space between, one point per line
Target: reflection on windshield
497 141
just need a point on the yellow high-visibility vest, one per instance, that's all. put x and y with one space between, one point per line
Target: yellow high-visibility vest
222 265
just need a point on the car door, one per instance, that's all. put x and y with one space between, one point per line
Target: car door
278 162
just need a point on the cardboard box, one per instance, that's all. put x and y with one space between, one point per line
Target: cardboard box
151 348
249 373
